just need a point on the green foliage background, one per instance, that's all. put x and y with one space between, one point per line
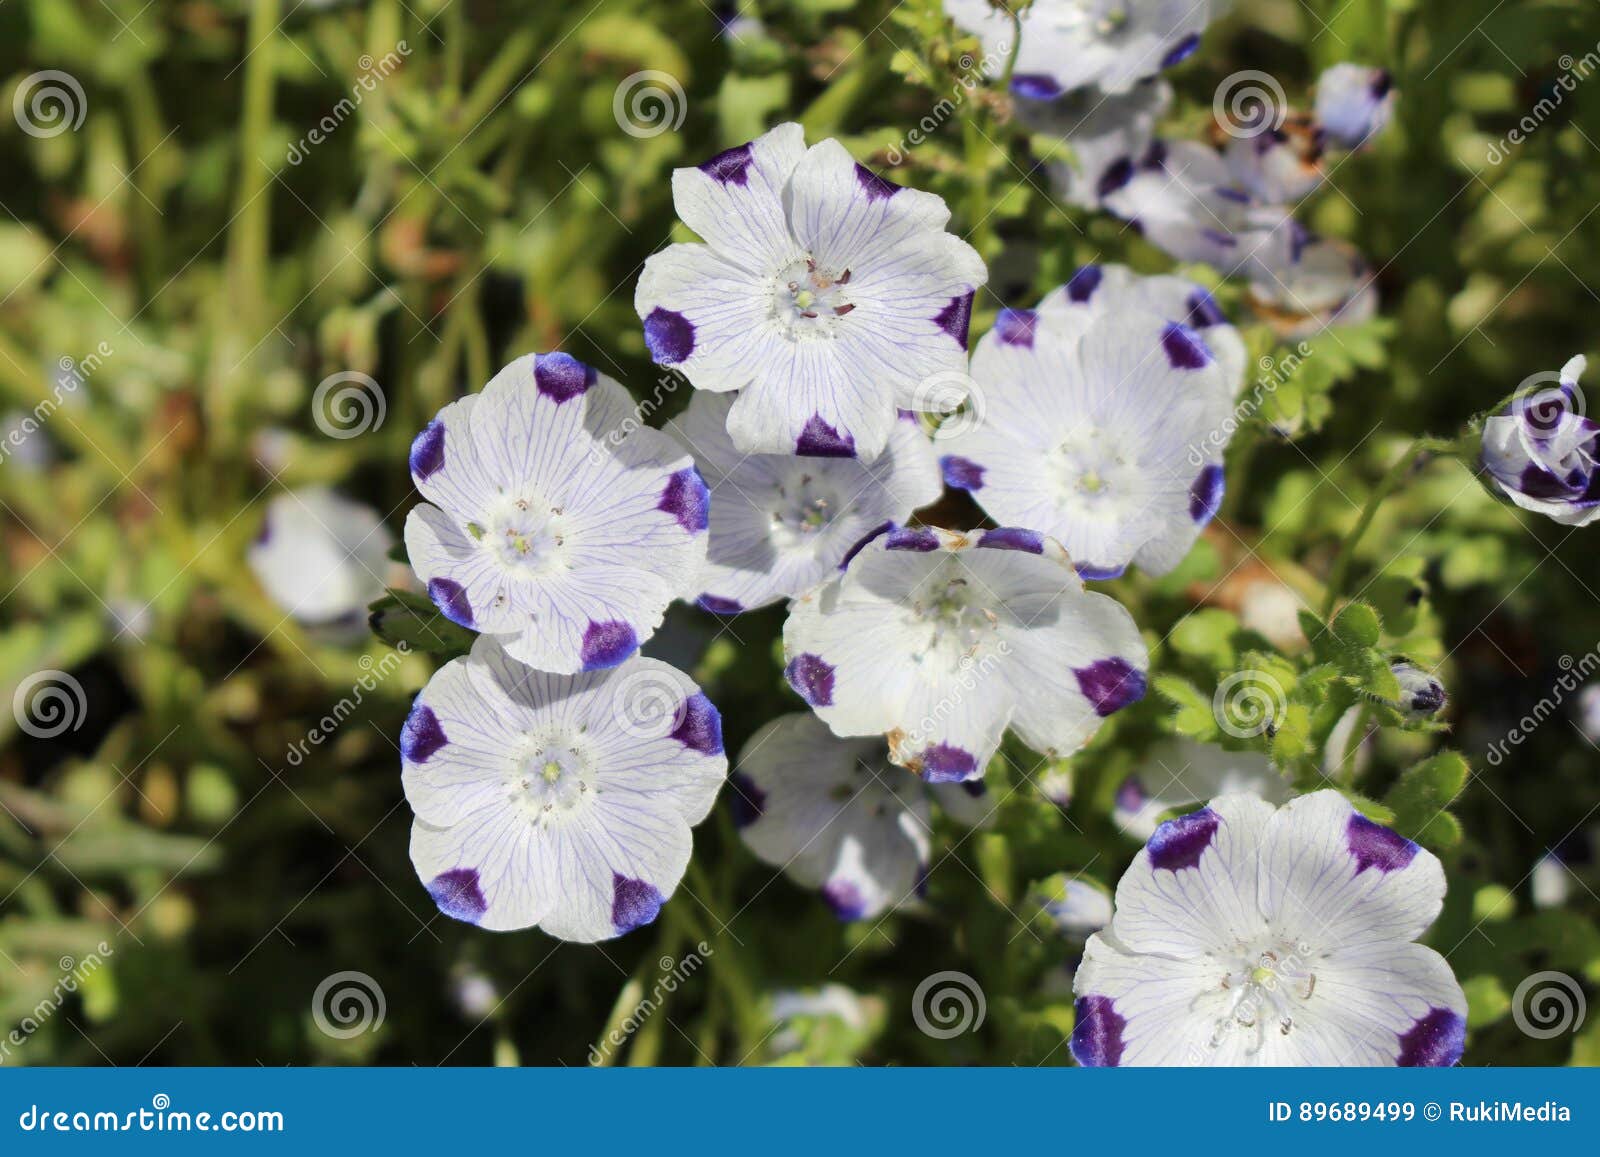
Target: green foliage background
482 202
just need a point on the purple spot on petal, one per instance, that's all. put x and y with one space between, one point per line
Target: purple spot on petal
1130 796
1181 51
1091 573
1204 311
731 166
1179 843
607 644
264 535
876 187
820 440
687 500
845 899
1016 327
1097 1033
1012 538
866 539
1110 684
562 377
451 599
956 317
1084 282
812 677
914 538
746 800
1184 348
422 734
1114 176
1205 494
946 763
1436 1040
634 903
718 605
701 727
458 894
427 451
961 473
1036 86
1375 846
669 336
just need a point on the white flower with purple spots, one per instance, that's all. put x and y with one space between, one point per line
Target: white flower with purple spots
1303 284
940 640
1068 44
1180 773
1543 454
1278 166
1245 934
781 524
1079 909
545 527
837 816
1104 430
1103 136
1354 103
321 557
824 294
556 800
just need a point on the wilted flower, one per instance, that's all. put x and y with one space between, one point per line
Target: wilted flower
940 640
837 816
1246 934
553 520
563 801
828 296
1354 103
1180 773
781 524
1544 455
1102 429
321 557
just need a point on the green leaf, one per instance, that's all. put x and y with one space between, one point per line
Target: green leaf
408 621
1357 626
1422 794
1487 1000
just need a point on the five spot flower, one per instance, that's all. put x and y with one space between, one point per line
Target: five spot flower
1544 455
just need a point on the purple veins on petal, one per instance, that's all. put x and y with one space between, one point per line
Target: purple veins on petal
607 644
956 318
730 167
422 734
1179 843
634 903
1083 283
1110 684
700 725
946 763
1375 846
820 440
746 799
687 499
458 894
718 605
1205 494
451 599
1436 1040
877 188
669 336
562 377
1097 1033
427 451
845 899
812 678
914 538
1012 538
1185 350
1016 327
